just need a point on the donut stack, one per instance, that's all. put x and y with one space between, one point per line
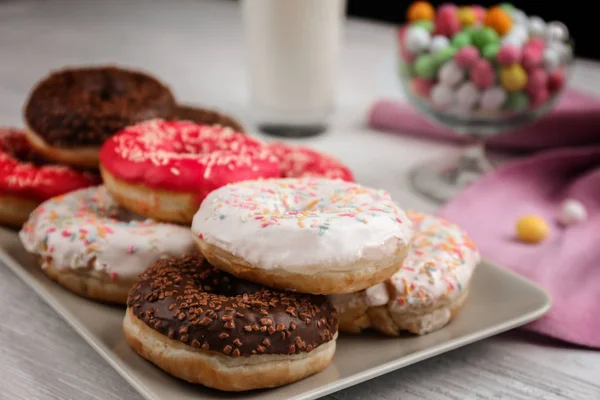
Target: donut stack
238 261
482 62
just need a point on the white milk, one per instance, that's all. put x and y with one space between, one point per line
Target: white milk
293 49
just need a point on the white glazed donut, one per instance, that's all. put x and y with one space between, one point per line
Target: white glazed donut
426 293
313 235
93 247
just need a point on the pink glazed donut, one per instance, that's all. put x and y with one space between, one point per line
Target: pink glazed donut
299 162
164 169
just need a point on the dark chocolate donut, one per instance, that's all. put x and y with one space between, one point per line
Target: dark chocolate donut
82 107
206 117
190 301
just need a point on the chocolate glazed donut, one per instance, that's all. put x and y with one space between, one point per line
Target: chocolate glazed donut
206 326
71 112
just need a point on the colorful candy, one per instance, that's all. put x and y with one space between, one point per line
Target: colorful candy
466 56
492 99
513 78
572 212
509 54
417 39
483 74
442 95
439 43
532 229
471 59
467 16
421 86
425 66
420 11
447 22
451 74
467 96
499 20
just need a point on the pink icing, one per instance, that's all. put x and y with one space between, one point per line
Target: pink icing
186 157
23 173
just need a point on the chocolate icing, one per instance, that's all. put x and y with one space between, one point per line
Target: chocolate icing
85 106
207 117
189 300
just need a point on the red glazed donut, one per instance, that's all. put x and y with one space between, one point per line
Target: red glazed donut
299 162
26 180
164 169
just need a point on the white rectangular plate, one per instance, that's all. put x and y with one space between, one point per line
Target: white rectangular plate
499 300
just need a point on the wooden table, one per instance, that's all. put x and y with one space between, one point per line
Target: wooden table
196 46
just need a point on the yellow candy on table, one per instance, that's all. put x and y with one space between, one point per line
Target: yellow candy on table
466 16
532 229
513 78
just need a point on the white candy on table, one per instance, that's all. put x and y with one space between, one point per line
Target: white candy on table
551 59
467 96
451 74
572 212
557 31
520 31
492 99
438 43
537 26
417 39
442 95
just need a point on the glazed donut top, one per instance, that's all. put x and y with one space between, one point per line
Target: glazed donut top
23 172
86 228
306 224
299 161
185 156
189 300
85 106
440 263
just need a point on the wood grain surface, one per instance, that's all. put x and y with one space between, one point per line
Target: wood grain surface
196 46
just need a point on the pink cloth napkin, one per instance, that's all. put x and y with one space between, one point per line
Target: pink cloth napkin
574 122
567 263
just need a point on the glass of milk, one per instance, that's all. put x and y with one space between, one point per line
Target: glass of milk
293 51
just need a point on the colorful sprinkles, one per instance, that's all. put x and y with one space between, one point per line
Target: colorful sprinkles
87 225
439 264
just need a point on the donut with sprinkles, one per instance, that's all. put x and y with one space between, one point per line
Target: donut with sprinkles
205 326
300 161
27 179
164 169
90 245
312 235
428 290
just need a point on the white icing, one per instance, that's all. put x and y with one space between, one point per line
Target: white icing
87 228
439 265
305 224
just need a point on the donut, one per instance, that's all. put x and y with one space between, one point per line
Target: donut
164 169
312 235
91 246
26 179
206 326
71 112
299 161
426 293
207 117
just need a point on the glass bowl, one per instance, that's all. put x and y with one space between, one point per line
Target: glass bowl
441 179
